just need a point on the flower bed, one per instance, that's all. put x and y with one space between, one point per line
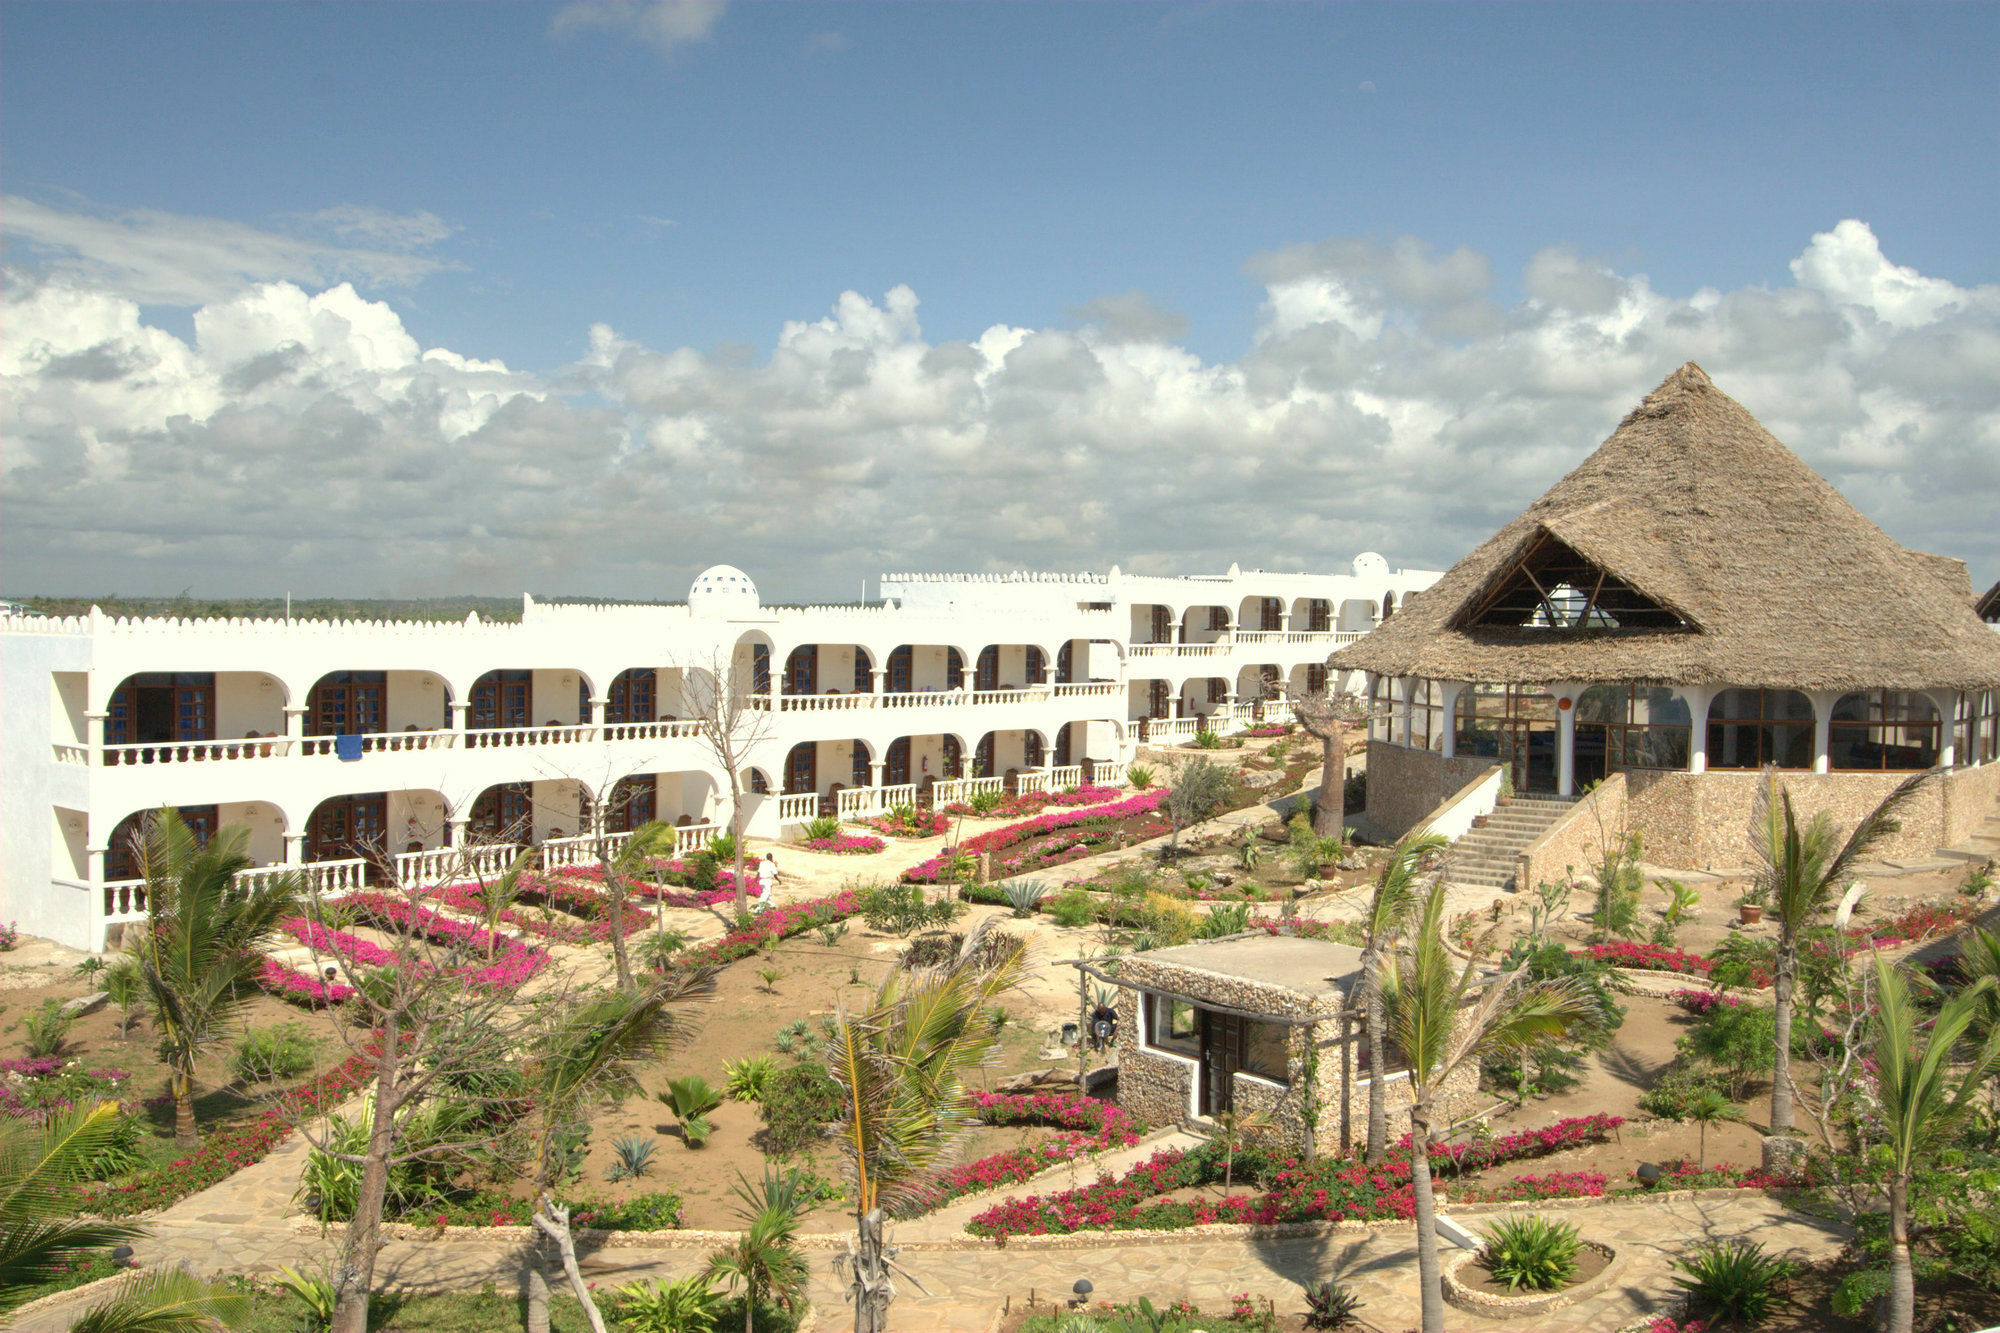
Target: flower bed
295 987
1267 729
924 824
1294 1190
845 844
230 1147
1090 1126
1919 922
323 939
513 963
1015 805
37 1087
1652 957
793 919
1701 1002
927 872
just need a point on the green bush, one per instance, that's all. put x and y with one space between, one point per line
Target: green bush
1141 776
1741 1040
1226 919
1677 1090
826 826
723 848
1732 1281
688 1305
47 1030
748 1079
1073 907
123 1149
986 802
1331 1305
1538 1253
282 1051
691 1099
797 1103
701 868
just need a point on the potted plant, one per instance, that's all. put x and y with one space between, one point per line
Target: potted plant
1750 907
1506 796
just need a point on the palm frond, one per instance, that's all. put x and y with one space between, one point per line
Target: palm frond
166 1300
1878 825
1921 1100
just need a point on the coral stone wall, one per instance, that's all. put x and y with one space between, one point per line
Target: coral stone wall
1405 785
1697 820
1158 1088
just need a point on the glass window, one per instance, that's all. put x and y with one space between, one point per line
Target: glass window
1752 728
1172 1025
1883 729
1265 1051
1426 704
1630 726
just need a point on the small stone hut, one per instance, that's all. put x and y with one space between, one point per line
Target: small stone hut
1259 1024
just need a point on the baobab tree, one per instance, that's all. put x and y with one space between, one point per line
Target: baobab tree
1329 716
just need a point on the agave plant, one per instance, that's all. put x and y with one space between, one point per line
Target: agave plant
632 1157
1024 895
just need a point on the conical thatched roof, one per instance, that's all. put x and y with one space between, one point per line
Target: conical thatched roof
1709 554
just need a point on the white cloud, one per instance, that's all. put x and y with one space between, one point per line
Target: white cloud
665 25
1386 402
161 258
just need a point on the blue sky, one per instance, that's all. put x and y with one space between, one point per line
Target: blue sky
689 179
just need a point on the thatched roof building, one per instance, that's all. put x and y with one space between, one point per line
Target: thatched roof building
1692 548
1989 606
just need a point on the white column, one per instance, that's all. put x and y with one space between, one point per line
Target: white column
1947 704
1697 701
295 722
874 775
460 712
1822 703
93 731
458 831
879 675
1452 689
596 718
295 848
1404 684
1566 739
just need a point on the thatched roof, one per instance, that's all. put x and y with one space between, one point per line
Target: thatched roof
1989 605
1692 549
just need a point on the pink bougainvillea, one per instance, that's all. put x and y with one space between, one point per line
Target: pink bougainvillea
927 872
846 844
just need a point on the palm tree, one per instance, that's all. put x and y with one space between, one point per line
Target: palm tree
166 1300
587 1054
1448 1019
200 950
620 868
38 1226
901 1067
764 1259
1388 908
495 896
1923 1103
1801 870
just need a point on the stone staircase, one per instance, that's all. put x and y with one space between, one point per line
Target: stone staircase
1484 857
1982 845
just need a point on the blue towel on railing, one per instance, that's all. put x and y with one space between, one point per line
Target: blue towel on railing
347 747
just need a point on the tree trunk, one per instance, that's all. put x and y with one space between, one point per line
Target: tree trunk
1378 1037
1902 1281
614 891
185 1134
538 1289
552 1219
870 1290
354 1279
1781 1022
1330 808
736 836
1429 1279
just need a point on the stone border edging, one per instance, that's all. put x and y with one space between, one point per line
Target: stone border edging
56 1300
1520 1307
835 1240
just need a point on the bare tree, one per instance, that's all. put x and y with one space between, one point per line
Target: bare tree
734 721
1329 717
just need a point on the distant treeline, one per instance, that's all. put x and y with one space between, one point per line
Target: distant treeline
503 609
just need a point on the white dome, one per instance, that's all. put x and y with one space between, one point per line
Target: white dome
1370 565
723 591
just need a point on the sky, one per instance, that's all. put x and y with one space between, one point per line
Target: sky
420 299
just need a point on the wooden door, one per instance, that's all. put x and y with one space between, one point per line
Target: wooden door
1225 1041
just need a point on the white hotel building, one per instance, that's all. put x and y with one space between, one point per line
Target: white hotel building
325 739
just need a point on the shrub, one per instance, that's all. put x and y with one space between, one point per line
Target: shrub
1732 1281
284 1050
658 1210
688 1305
748 1079
826 826
1676 1091
1141 776
986 802
898 909
1073 907
1533 1252
798 1102
10 937
632 1157
1226 919
1331 1304
723 848
47 1030
123 1149
691 1099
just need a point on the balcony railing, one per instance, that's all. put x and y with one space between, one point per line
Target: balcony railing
446 865
381 742
798 808
125 899
861 802
1064 776
964 789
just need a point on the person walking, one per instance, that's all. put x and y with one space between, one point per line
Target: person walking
767 882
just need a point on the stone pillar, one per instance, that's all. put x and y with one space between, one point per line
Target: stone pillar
875 778
93 730
295 722
456 831
596 718
879 678
295 848
460 714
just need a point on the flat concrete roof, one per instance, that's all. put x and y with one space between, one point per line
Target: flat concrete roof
1309 967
